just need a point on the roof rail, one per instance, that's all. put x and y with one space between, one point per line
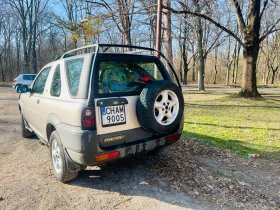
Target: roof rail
98 46
141 49
80 48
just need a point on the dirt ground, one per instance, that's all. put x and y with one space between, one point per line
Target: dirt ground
186 175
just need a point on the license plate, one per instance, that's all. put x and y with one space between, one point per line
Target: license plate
113 115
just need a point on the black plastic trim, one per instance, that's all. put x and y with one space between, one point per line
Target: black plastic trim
112 102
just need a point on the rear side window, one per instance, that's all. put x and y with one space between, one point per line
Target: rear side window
126 76
56 82
29 77
40 82
73 71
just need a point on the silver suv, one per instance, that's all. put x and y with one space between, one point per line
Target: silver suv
93 105
23 79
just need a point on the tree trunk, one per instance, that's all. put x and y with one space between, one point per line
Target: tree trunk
193 64
167 35
249 84
18 54
34 54
237 63
267 76
2 69
201 65
228 64
234 61
181 66
185 63
273 74
215 66
123 10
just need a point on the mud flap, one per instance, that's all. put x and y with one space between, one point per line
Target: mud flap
72 166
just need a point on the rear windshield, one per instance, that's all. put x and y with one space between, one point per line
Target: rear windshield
28 77
126 76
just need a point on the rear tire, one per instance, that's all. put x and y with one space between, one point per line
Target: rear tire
58 160
25 133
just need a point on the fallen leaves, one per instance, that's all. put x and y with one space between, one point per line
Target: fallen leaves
181 167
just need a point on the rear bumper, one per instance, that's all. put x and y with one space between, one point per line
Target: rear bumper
82 146
125 150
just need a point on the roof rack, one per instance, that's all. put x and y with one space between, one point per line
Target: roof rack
79 49
98 46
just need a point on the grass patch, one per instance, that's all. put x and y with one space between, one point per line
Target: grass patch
6 84
241 125
268 85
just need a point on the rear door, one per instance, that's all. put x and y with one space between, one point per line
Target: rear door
120 82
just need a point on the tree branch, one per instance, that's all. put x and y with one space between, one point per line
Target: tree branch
107 6
209 19
263 9
239 16
270 31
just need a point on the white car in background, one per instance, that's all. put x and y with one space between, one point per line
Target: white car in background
24 79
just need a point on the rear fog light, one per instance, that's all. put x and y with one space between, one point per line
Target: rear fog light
173 138
107 156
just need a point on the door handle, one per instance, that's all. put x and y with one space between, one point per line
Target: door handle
38 101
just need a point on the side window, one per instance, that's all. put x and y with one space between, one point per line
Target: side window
56 82
40 82
73 71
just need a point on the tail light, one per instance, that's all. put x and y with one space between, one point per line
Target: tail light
173 138
88 118
14 80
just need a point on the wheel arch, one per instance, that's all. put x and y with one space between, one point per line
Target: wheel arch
52 122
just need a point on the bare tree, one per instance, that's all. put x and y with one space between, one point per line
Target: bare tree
251 36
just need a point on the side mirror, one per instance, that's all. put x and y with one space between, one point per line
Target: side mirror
22 89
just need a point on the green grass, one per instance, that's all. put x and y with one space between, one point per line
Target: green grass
6 84
241 125
277 85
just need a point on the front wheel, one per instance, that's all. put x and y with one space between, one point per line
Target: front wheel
58 160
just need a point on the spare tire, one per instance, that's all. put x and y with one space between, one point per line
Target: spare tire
160 107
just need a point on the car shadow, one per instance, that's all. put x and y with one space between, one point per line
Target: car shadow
133 176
